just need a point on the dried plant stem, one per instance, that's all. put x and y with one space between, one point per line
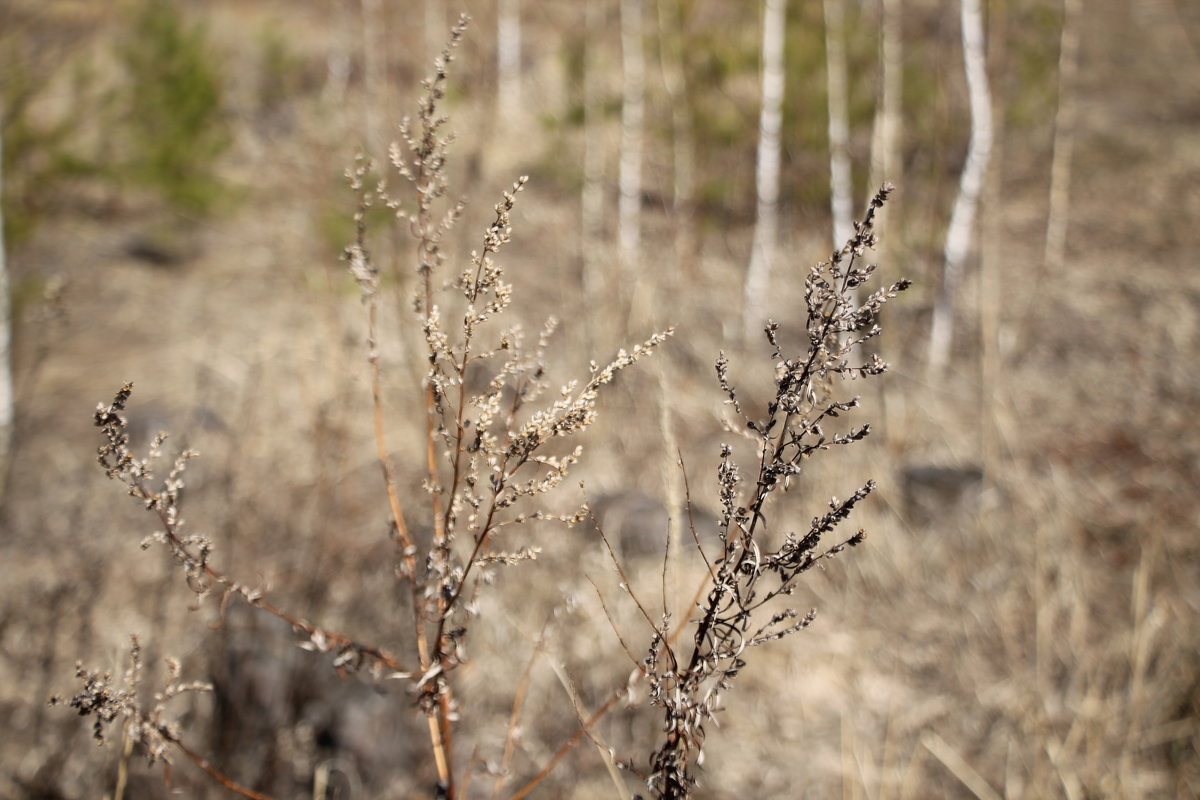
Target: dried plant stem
568 745
510 738
123 762
757 565
407 551
216 774
402 533
605 752
439 725
254 597
192 552
608 705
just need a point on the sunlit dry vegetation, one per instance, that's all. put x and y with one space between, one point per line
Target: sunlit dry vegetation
383 553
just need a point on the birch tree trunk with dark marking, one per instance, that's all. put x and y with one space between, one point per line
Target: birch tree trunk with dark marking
962 220
886 136
841 186
770 124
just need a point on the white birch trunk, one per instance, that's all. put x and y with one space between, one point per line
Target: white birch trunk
508 56
841 191
1064 139
629 209
766 219
962 220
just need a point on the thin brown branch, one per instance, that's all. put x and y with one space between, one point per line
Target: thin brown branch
510 737
625 583
216 774
567 746
613 624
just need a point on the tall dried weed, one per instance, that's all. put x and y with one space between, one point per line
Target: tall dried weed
497 442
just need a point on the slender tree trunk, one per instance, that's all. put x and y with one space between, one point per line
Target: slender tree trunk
374 50
770 124
994 404
629 216
841 187
1064 139
591 202
508 55
436 30
886 148
886 136
672 26
339 62
6 373
962 220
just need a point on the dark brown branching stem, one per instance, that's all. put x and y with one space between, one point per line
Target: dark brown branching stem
791 432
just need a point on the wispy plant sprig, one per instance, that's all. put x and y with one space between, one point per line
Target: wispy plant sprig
193 552
106 702
757 563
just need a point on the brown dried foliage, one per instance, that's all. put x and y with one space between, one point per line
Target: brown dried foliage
492 454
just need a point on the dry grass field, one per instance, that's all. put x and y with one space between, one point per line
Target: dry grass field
1022 621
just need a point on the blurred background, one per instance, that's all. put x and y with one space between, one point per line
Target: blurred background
1022 621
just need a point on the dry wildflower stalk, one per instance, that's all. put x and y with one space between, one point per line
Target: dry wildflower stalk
486 461
489 458
756 565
